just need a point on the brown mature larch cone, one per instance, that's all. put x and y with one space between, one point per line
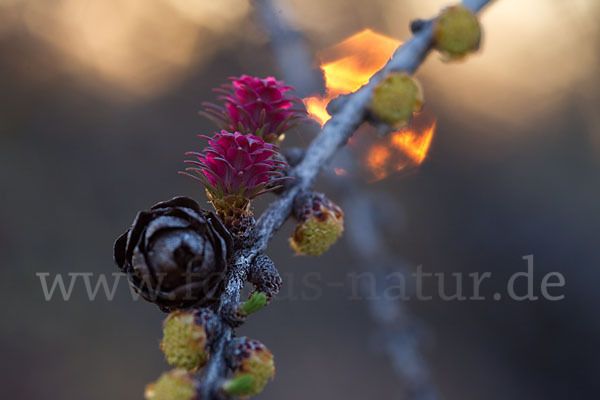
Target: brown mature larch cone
175 254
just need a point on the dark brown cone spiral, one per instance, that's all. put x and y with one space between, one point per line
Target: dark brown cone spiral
175 254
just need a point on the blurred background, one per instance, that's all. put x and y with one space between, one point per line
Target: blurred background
99 101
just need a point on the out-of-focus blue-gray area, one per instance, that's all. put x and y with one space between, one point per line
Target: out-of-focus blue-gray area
98 105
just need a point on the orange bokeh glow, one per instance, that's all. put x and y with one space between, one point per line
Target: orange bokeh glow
349 65
398 151
414 144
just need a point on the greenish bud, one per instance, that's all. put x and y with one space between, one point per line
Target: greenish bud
177 384
240 385
395 99
321 225
184 340
252 360
457 32
257 301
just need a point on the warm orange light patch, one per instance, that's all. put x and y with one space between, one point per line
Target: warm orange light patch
377 159
129 48
414 144
399 151
348 65
317 108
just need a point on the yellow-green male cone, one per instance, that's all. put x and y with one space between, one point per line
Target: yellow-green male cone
395 99
457 32
184 341
177 384
254 367
321 225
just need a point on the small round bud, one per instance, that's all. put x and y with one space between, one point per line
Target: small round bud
457 32
395 99
251 359
177 384
321 224
184 339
